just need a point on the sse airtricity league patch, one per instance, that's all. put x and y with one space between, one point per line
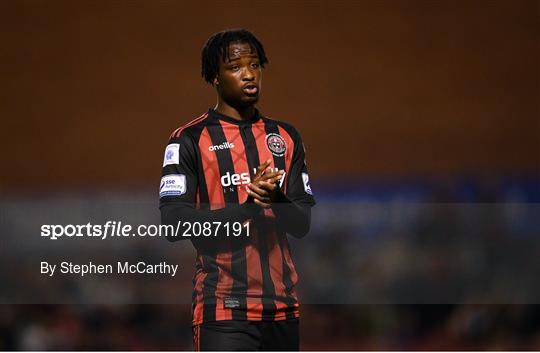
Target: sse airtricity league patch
173 185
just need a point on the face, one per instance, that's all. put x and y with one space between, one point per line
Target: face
239 78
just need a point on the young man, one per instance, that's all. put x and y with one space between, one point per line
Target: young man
234 171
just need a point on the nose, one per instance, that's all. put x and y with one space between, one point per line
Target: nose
248 75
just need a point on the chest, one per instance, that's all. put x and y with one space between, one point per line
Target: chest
237 149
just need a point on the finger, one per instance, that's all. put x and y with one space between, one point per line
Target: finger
262 204
264 177
262 168
270 175
258 190
257 196
275 180
269 182
269 186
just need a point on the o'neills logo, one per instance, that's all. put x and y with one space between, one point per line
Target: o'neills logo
224 146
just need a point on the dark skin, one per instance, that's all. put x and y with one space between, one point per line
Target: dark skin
238 85
263 188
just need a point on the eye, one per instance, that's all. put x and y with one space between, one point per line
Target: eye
235 67
255 65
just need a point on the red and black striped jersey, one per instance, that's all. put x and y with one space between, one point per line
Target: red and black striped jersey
208 162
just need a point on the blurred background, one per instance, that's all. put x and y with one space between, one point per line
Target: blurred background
422 128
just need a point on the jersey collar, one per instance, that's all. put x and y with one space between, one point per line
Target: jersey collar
232 120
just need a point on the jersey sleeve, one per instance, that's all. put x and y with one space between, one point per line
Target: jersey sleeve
298 185
179 173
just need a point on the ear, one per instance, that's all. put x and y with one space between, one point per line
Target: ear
216 81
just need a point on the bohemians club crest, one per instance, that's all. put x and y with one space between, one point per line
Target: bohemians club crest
276 144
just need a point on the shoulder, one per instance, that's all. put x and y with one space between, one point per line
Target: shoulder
287 127
189 130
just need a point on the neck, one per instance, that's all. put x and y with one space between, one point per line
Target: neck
238 113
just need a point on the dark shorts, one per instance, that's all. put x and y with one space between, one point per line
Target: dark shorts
232 335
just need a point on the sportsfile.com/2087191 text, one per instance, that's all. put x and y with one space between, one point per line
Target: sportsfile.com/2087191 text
120 230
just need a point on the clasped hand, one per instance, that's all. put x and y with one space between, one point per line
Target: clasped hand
263 188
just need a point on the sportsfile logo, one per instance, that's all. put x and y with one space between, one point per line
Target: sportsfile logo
224 146
230 180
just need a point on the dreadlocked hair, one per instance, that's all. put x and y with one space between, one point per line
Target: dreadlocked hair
217 49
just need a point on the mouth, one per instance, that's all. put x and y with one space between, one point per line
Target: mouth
250 89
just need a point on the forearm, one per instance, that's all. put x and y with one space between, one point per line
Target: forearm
294 217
